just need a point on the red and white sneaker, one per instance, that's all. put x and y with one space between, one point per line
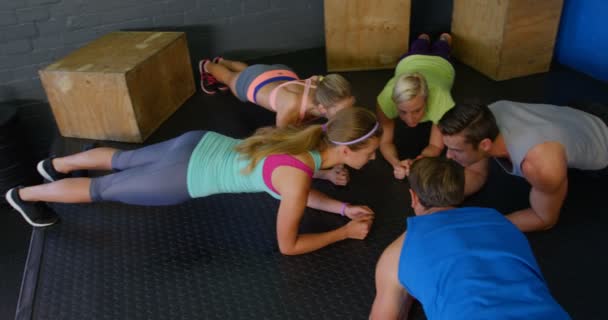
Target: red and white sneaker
208 82
220 86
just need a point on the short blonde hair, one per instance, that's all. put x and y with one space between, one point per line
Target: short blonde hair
408 86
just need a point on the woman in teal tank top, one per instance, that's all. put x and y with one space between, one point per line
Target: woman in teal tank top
280 161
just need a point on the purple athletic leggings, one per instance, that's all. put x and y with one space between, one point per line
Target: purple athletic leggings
151 176
423 46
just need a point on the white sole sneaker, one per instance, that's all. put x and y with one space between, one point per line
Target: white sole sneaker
42 172
9 199
201 70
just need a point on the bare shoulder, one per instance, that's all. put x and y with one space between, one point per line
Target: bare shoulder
291 183
291 179
545 164
390 301
396 246
389 260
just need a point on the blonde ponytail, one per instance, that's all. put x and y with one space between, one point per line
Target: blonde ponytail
349 124
331 89
290 140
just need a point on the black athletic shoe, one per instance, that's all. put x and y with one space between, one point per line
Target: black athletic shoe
46 170
35 213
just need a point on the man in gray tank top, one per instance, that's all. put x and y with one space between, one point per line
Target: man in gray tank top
538 142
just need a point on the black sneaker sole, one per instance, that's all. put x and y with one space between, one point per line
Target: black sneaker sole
208 92
9 199
42 172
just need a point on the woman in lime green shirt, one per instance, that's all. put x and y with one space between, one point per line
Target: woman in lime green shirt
419 91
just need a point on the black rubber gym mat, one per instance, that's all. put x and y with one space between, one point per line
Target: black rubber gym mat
214 258
217 257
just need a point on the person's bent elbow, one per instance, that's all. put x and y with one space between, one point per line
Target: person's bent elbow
549 226
288 250
545 221
548 222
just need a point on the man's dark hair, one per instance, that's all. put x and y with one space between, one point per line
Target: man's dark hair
475 120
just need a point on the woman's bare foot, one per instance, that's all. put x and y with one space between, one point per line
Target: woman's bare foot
446 37
424 36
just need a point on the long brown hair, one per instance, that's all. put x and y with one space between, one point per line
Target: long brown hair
348 124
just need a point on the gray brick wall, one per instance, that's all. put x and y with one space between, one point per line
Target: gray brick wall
35 33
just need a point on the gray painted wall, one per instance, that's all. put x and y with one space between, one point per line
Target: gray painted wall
35 33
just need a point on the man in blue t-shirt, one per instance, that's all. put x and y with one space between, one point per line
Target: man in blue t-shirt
460 263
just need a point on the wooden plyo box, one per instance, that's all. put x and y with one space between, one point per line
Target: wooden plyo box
505 39
365 35
120 87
